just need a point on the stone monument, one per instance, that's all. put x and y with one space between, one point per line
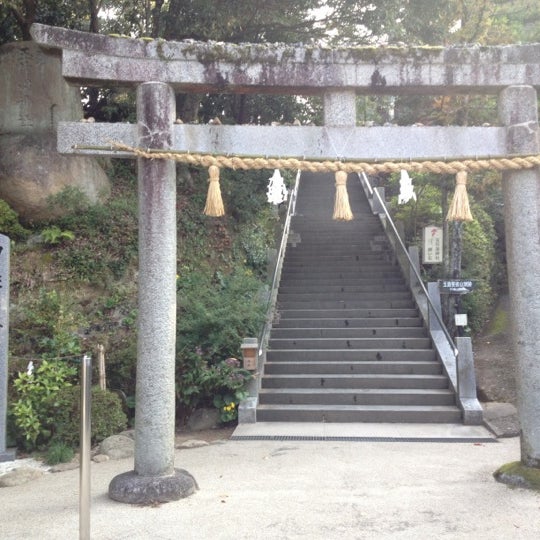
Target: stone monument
5 455
33 98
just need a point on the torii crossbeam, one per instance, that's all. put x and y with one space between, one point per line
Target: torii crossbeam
159 68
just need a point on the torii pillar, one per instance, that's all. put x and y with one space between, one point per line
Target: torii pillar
154 478
518 112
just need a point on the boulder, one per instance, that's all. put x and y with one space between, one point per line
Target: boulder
31 170
203 419
117 447
20 476
34 97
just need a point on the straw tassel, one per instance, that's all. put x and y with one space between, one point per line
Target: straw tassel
459 208
342 208
214 202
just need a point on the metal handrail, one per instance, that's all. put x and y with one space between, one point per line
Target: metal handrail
375 193
279 263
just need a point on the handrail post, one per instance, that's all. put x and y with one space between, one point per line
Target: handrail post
85 440
434 306
472 410
377 200
414 254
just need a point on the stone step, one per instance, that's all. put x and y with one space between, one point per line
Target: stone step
335 252
358 413
340 261
325 224
348 333
342 304
352 262
363 380
401 343
371 283
332 275
355 396
348 313
282 321
373 355
374 287
344 296
337 367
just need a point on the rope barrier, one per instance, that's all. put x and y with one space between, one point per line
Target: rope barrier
252 163
459 209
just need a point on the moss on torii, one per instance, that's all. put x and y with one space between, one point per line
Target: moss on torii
518 475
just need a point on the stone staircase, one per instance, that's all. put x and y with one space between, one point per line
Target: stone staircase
347 343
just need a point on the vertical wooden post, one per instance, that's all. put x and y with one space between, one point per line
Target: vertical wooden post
518 111
155 479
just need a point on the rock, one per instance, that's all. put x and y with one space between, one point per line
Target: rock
132 488
20 476
117 447
100 458
128 433
31 170
34 97
203 419
192 443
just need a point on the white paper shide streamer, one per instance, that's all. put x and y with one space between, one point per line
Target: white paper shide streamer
277 191
406 188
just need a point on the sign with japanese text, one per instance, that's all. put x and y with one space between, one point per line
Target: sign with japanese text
456 286
432 252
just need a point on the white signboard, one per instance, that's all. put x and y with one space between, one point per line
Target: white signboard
432 252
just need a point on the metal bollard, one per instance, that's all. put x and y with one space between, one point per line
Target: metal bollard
85 436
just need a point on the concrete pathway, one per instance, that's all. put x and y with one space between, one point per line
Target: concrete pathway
297 490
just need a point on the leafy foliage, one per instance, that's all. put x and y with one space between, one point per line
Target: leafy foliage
59 453
204 384
9 223
106 233
215 315
35 395
108 418
478 263
217 312
49 323
54 235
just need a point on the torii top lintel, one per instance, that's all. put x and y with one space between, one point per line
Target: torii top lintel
94 59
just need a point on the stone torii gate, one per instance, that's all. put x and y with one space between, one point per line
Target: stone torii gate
159 68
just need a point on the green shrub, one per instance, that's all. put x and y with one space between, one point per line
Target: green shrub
108 417
59 453
478 263
217 312
201 384
70 200
35 395
9 222
54 235
255 242
51 323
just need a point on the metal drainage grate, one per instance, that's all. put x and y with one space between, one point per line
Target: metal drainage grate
360 439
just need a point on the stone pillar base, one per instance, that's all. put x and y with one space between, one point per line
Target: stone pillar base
7 455
132 488
517 474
